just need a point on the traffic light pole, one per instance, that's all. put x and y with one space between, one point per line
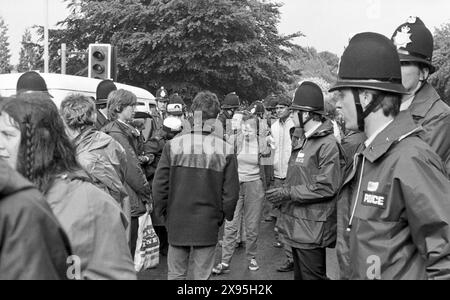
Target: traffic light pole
46 64
63 58
64 54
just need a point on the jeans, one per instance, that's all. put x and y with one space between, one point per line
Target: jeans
249 206
178 262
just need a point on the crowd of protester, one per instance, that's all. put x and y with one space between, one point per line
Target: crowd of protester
364 170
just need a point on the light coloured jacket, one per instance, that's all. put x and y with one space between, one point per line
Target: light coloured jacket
95 226
281 133
104 159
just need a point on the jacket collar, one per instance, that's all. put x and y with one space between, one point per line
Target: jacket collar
324 130
121 127
402 127
11 181
423 101
83 136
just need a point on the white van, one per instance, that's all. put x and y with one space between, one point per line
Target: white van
59 86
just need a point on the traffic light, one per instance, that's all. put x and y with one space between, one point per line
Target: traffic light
102 61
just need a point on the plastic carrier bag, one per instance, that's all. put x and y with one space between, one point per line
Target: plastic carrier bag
147 246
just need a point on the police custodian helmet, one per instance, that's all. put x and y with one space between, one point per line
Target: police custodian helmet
414 42
162 95
370 62
104 88
308 97
231 101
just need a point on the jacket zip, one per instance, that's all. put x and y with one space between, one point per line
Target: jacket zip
349 227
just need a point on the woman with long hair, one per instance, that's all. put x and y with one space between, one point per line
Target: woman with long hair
46 157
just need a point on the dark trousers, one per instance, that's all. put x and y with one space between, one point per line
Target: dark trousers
309 264
161 232
134 227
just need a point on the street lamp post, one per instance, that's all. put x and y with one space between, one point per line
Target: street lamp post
46 37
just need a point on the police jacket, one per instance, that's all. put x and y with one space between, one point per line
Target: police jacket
394 224
196 186
33 245
314 176
433 114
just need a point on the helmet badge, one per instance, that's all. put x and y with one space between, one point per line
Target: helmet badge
402 38
411 20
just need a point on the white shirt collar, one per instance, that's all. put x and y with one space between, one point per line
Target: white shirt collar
105 115
122 122
374 135
311 131
406 104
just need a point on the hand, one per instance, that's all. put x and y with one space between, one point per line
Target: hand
278 196
142 159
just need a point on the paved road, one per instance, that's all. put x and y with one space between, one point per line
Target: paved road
269 259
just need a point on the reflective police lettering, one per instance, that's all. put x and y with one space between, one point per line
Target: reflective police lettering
374 269
374 199
300 158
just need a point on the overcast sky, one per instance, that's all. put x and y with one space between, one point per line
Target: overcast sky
327 24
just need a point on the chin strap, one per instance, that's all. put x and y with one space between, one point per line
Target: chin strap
362 114
303 122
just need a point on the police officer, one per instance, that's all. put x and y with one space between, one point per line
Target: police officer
307 199
393 211
31 81
230 105
162 100
415 48
257 108
104 88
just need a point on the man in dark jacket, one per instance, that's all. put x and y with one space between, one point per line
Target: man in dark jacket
172 126
307 200
33 245
195 187
415 48
394 208
121 106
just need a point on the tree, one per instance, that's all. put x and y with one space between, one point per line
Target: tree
29 54
5 54
306 63
187 46
441 58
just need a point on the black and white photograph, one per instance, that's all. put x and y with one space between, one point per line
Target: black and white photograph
239 143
